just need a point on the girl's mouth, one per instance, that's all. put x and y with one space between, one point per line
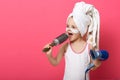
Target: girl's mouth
70 34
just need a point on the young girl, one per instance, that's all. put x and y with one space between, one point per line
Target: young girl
83 32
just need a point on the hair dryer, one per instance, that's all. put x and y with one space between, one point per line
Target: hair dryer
101 54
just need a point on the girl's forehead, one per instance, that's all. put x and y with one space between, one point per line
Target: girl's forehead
71 22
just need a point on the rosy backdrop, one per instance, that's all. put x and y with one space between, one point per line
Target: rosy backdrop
27 25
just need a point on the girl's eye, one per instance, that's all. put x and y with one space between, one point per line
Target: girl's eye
67 26
73 27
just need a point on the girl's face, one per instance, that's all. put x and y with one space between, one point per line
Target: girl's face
72 30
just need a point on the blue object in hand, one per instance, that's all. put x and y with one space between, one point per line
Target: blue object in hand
101 54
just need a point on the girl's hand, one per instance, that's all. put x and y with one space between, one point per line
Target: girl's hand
50 49
97 64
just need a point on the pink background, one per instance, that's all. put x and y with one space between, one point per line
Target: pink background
27 25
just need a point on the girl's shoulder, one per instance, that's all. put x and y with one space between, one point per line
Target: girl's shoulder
90 46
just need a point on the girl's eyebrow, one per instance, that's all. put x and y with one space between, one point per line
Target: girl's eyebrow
73 26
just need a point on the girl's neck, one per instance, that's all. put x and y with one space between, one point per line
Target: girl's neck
78 45
78 41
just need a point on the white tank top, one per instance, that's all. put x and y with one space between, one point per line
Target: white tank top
76 64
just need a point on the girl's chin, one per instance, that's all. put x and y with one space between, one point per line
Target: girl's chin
71 39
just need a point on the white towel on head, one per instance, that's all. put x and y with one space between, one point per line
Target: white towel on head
86 17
